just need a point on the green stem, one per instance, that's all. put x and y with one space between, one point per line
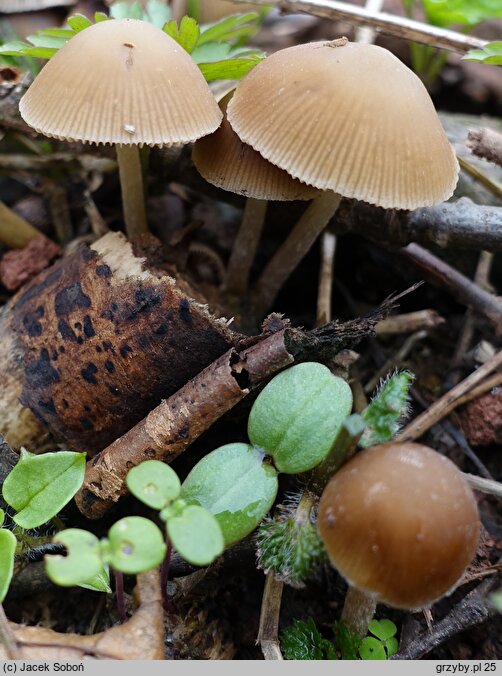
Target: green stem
292 251
343 448
14 230
245 246
358 611
131 183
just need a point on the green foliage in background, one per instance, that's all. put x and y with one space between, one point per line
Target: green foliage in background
218 49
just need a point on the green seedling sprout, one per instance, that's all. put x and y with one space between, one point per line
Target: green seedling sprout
303 641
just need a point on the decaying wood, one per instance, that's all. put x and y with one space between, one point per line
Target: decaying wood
486 143
99 341
409 322
390 24
459 225
171 427
141 637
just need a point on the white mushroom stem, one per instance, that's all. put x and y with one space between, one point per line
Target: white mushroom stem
245 246
358 611
292 251
131 184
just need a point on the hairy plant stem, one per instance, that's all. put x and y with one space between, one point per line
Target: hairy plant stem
291 252
358 611
245 246
131 184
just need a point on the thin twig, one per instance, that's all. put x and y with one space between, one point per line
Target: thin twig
269 619
489 384
448 402
493 186
328 249
395 360
409 322
458 285
385 23
484 485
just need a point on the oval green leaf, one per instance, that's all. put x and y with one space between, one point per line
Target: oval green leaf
82 562
39 486
134 545
154 483
382 629
196 535
8 545
372 649
234 485
99 582
298 415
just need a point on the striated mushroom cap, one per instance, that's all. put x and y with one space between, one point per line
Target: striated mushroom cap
400 523
223 160
347 117
121 81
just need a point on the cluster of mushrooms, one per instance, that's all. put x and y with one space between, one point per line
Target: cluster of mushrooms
318 122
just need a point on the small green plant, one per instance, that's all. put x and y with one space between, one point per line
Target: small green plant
8 544
427 61
218 49
303 641
388 407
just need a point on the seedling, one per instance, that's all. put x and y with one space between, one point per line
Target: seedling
303 641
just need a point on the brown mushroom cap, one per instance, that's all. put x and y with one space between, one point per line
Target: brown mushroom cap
223 160
121 81
400 523
347 117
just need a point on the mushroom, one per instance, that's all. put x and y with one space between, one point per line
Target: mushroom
123 82
347 118
400 524
212 10
223 160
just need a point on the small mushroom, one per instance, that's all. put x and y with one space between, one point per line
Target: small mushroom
401 525
228 163
122 82
347 118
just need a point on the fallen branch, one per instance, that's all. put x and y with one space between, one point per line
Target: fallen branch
458 285
173 425
471 611
390 24
486 143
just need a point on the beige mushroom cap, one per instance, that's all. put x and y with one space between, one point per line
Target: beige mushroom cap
223 160
400 522
121 81
347 117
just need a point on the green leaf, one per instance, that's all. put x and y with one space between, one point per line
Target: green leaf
46 41
382 629
41 52
8 545
388 406
466 12
65 33
221 30
134 545
100 16
39 486
230 69
234 485
298 415
188 34
196 535
496 600
81 564
126 10
391 646
99 582
154 483
303 641
171 28
14 48
157 12
78 22
347 642
491 54
372 649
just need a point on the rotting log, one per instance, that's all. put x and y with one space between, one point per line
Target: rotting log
95 342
